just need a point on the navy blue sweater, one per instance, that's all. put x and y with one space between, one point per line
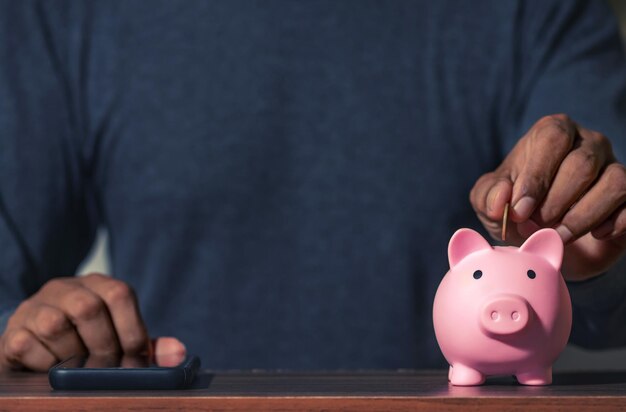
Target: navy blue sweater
280 179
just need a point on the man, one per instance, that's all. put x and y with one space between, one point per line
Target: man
280 179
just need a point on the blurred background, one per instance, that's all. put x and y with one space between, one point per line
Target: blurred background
573 358
620 9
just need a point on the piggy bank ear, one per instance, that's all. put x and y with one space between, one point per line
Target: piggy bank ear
465 242
547 244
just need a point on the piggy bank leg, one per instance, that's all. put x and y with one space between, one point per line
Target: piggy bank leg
461 375
539 376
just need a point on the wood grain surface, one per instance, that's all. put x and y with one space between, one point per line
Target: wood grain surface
366 390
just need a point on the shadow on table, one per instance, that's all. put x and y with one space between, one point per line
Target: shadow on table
202 381
589 378
305 384
564 384
567 378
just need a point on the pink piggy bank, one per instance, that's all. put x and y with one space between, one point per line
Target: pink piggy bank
502 310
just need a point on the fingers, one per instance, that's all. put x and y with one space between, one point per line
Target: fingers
577 173
488 197
169 351
22 349
525 177
123 308
612 228
93 314
535 162
603 202
55 330
134 361
167 344
103 361
490 193
564 176
87 311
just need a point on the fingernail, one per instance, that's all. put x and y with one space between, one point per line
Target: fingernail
604 230
565 233
524 207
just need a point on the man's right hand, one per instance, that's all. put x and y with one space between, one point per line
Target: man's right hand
93 314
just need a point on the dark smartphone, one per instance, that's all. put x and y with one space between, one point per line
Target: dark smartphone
123 373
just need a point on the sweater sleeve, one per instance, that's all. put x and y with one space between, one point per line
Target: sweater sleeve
46 221
569 59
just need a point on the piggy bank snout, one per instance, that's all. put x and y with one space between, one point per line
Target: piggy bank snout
504 314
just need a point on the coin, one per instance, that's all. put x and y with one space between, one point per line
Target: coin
505 218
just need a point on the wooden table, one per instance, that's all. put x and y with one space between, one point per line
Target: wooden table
389 391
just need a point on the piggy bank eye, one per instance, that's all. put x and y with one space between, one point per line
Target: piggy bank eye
478 274
531 274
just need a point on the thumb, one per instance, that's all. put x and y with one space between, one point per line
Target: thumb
489 195
168 351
